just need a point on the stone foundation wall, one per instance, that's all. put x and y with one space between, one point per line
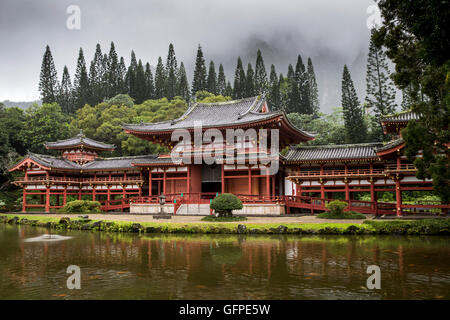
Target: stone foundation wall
150 208
203 209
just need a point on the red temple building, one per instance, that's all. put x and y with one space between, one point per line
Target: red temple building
307 177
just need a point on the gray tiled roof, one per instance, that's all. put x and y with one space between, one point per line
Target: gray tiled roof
400 117
212 114
389 145
99 163
333 152
79 139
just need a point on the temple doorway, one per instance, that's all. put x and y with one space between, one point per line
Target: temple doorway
211 178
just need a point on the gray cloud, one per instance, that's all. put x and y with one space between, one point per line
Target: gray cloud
330 32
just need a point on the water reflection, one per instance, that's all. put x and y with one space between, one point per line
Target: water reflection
117 266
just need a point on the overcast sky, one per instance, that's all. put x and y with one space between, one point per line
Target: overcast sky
331 32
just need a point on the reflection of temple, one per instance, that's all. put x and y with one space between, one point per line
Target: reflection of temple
307 177
183 267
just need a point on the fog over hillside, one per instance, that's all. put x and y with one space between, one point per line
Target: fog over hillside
332 33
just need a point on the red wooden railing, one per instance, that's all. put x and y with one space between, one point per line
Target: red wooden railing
78 180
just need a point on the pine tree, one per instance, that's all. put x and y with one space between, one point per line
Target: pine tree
313 89
212 79
121 74
199 82
183 85
96 77
171 70
355 127
284 90
260 74
293 99
149 85
228 90
239 81
221 81
380 92
301 77
141 85
408 98
130 77
80 83
113 76
160 80
48 82
274 90
250 82
65 92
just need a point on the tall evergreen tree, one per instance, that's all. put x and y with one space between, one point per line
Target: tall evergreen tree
160 80
48 82
81 90
112 72
141 85
221 81
380 92
261 82
274 90
212 78
228 90
313 89
96 77
183 85
301 77
293 103
65 93
199 82
355 127
130 77
121 74
149 85
239 81
284 91
250 90
171 71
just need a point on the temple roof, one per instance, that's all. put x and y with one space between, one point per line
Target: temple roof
78 141
390 145
361 151
218 114
400 117
52 162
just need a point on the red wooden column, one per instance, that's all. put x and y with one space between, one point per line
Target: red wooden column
47 198
149 182
223 178
188 180
398 196
372 185
65 195
249 179
273 185
24 201
347 190
140 183
93 192
267 183
164 180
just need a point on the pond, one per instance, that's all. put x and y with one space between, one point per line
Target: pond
132 266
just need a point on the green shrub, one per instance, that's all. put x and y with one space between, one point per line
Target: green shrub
343 215
337 207
81 206
223 219
224 203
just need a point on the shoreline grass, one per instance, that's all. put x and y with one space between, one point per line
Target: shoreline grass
422 227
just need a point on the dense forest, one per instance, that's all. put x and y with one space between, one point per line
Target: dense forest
109 93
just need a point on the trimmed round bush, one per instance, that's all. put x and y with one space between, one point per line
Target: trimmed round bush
224 203
81 206
337 207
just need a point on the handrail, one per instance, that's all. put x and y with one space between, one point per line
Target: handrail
78 180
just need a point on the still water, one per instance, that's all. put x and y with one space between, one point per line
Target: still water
118 266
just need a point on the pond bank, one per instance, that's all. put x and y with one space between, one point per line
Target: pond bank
107 223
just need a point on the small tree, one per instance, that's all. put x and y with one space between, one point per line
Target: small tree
337 207
225 203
